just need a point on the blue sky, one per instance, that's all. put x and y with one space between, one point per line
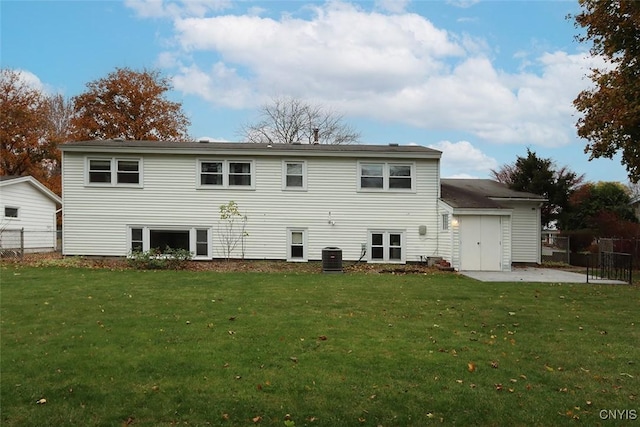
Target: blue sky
479 80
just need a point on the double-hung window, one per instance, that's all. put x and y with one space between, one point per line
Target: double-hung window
226 174
386 246
294 173
381 176
114 171
296 244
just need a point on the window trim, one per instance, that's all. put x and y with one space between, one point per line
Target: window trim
11 217
193 236
386 177
285 187
114 171
386 246
445 222
225 174
305 244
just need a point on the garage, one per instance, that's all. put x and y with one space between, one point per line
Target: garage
488 227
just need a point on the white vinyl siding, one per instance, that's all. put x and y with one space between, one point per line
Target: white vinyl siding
526 233
332 210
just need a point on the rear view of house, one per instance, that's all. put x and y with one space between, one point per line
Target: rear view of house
28 215
376 203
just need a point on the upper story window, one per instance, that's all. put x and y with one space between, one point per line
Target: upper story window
294 173
10 212
226 174
386 176
113 171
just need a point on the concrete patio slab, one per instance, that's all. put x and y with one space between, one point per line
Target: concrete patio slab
534 274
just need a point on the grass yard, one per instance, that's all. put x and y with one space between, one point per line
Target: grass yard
149 348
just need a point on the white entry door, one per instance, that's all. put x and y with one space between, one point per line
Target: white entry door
480 243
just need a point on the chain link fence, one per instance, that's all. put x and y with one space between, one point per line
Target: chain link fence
17 242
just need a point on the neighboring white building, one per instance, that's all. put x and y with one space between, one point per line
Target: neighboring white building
376 203
487 226
28 207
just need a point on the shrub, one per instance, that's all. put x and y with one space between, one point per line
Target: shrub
154 259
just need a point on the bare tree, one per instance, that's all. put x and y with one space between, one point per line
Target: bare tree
290 120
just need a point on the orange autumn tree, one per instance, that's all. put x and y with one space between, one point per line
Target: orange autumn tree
131 105
25 147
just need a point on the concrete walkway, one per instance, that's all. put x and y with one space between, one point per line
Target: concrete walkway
532 274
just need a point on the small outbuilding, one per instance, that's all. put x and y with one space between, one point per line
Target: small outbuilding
28 221
486 226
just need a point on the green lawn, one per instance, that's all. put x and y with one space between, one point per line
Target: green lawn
151 348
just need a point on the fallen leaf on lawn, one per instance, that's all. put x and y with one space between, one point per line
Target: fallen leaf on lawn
41 401
231 332
232 318
498 387
524 377
471 367
256 419
563 390
259 387
312 419
549 368
294 359
459 381
225 416
472 385
430 415
494 365
362 420
626 375
129 421
513 380
322 337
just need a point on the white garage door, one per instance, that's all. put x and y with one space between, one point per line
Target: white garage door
480 243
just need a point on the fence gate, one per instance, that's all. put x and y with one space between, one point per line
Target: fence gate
612 266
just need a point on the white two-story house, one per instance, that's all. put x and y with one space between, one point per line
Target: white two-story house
376 203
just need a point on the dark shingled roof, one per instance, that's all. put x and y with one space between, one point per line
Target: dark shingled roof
480 193
251 148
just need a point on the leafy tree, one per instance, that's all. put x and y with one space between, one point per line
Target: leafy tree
289 120
131 105
604 208
611 111
540 176
23 125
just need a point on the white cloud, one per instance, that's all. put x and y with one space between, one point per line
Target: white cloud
396 67
462 160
